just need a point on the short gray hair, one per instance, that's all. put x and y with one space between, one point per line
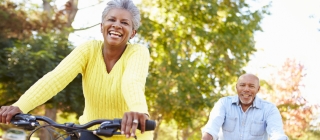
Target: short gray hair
126 5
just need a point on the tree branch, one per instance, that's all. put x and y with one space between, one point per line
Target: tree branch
90 6
85 28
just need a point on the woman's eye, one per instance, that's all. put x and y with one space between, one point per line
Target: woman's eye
125 23
111 20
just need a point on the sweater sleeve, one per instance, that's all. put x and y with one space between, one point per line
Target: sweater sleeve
134 79
54 81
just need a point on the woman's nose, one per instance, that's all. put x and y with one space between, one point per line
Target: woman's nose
116 26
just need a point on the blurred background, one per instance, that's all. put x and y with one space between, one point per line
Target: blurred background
198 50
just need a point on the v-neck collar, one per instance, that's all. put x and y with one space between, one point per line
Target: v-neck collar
116 64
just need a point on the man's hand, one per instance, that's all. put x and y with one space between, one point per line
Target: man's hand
206 136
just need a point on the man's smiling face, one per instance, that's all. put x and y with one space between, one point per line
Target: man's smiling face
247 88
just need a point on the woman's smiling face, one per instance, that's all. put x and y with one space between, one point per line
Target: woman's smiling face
117 27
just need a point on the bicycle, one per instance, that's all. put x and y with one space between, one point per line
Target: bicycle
107 128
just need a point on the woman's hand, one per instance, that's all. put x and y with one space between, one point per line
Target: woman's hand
130 121
7 112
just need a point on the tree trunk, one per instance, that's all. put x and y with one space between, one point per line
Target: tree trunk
47 7
177 135
156 130
185 134
51 113
71 8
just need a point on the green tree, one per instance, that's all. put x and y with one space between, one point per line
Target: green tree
30 49
198 48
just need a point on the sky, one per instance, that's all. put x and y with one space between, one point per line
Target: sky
291 31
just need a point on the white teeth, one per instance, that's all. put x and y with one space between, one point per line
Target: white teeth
246 95
115 33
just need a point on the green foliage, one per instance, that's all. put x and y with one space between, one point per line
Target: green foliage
198 48
26 61
29 51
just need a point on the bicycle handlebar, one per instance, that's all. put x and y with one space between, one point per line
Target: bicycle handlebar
107 127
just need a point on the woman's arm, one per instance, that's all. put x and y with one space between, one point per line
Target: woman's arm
54 81
134 79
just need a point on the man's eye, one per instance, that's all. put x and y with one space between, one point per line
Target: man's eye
111 20
125 23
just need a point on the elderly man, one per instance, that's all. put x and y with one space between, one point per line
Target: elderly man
244 116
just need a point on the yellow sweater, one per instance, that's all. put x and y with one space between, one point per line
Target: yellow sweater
107 95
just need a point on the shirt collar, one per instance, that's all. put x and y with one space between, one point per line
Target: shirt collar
256 101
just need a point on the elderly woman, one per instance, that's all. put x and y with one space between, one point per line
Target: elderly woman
113 73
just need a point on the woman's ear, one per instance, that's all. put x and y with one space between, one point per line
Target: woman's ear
133 33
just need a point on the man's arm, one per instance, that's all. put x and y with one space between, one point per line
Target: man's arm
206 136
275 125
216 119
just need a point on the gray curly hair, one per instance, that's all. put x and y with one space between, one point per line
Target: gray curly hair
127 5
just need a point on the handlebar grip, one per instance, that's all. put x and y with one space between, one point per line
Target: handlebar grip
25 121
116 124
150 125
109 128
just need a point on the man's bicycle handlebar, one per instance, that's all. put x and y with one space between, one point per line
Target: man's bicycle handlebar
107 127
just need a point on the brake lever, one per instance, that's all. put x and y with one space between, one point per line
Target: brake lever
108 128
